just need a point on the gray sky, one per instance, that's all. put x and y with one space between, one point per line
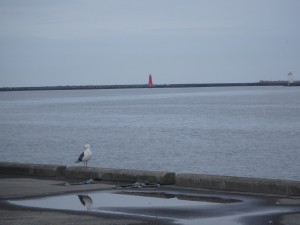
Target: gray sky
73 42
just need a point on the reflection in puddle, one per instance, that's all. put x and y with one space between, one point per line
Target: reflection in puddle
180 207
86 201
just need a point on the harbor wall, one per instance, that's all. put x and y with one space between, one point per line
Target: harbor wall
203 181
126 86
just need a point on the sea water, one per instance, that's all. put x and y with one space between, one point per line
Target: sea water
236 131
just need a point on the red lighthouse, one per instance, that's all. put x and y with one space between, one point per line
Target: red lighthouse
150 81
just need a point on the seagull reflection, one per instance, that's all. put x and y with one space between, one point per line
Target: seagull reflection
86 201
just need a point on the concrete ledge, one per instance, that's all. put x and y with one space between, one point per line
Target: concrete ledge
240 184
164 178
29 169
83 172
213 182
121 175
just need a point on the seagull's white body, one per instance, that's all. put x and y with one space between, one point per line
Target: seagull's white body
86 155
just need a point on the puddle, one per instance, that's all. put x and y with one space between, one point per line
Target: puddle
116 200
181 208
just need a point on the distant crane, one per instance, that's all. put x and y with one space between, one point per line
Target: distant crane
290 78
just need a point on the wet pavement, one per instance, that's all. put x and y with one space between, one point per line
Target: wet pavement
163 205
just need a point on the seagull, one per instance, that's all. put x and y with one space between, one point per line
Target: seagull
85 155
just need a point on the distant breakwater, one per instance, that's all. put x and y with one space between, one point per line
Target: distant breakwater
87 87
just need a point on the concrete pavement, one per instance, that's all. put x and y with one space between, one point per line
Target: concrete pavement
213 208
182 198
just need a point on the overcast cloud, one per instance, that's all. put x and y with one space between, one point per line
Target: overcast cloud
69 42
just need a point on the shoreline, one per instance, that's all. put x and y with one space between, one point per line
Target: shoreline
137 86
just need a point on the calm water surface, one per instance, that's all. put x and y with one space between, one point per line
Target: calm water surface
239 131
